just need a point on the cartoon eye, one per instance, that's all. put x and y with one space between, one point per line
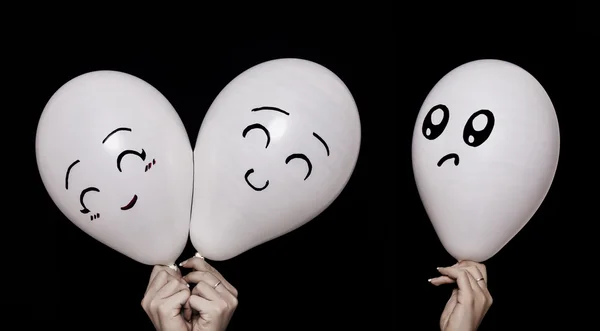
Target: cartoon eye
435 121
259 127
82 195
141 155
478 128
301 157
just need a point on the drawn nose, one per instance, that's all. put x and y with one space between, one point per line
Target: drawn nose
256 188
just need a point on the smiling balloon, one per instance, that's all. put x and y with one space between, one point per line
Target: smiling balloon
485 150
277 146
115 158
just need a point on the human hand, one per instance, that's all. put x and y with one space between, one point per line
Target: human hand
213 298
468 303
166 297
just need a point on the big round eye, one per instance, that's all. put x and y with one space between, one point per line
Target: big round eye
478 128
435 121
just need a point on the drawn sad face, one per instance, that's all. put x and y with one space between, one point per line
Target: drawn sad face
141 159
475 132
293 156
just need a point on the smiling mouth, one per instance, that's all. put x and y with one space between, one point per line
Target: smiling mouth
131 203
448 157
248 173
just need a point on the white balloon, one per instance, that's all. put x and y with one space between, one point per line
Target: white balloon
277 146
115 158
485 150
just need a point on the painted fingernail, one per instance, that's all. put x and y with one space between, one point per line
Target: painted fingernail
182 263
429 280
188 285
438 268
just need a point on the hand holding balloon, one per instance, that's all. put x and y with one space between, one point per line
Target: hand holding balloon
213 299
165 300
468 303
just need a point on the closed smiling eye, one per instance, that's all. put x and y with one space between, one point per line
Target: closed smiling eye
141 155
257 126
301 157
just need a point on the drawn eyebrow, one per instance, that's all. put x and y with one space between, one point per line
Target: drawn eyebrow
271 108
322 141
115 131
68 172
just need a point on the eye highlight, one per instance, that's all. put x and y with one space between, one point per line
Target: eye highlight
258 127
435 121
301 157
475 132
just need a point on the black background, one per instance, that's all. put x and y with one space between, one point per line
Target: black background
361 265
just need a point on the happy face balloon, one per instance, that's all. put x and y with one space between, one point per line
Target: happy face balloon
485 150
276 147
115 158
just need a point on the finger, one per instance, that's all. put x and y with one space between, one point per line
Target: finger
200 304
476 274
157 269
199 264
172 286
459 275
171 306
187 310
210 279
480 267
160 279
206 291
476 287
441 280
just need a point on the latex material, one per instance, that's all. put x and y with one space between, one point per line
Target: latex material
115 158
496 129
277 146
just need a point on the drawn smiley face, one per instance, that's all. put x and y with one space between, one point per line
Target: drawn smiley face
289 158
476 131
92 189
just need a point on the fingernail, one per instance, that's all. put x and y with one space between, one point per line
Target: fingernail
188 285
429 280
438 268
199 255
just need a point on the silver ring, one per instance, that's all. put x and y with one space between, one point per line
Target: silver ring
480 279
217 284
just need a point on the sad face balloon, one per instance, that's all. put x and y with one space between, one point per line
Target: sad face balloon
115 158
276 147
485 150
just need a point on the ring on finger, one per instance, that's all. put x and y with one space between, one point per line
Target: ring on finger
217 284
480 279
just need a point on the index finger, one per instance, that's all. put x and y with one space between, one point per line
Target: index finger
200 264
159 268
460 275
481 267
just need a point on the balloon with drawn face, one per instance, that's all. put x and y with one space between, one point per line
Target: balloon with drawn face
115 158
277 146
485 150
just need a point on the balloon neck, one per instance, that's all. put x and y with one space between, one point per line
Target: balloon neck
173 266
199 255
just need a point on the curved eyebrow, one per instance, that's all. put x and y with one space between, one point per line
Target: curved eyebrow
68 172
322 142
271 108
115 131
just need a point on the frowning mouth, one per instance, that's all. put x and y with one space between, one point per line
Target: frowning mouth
131 203
448 157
